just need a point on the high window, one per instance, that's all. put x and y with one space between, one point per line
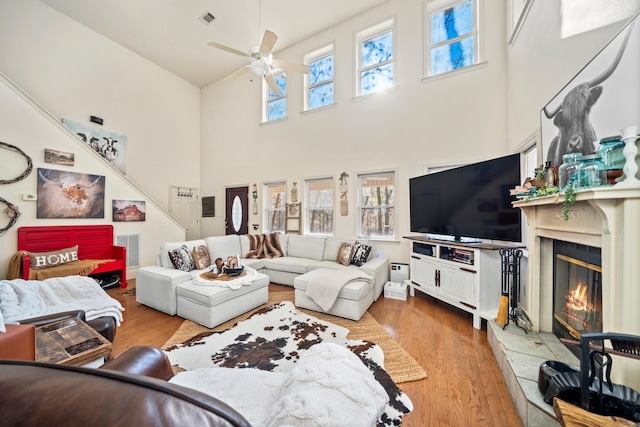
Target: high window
376 205
375 58
274 212
277 103
451 35
319 81
319 202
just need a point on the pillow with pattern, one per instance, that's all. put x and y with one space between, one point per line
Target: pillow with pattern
181 259
201 257
360 253
52 258
345 253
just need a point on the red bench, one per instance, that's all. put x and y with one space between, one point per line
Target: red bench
94 242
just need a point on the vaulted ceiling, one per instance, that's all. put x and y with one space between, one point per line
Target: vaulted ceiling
170 34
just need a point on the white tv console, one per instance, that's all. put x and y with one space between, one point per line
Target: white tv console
464 275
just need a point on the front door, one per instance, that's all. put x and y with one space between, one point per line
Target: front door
236 210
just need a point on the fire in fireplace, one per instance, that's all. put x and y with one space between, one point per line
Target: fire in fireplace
577 290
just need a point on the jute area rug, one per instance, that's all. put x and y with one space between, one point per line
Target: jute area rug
399 364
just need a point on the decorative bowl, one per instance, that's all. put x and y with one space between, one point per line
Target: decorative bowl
234 271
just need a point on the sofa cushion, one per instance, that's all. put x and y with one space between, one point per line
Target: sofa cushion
288 264
345 253
331 247
181 258
360 253
223 246
284 243
306 247
201 257
166 247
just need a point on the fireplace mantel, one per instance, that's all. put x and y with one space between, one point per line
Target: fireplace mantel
608 218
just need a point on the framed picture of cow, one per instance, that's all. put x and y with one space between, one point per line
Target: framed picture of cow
599 101
111 146
63 194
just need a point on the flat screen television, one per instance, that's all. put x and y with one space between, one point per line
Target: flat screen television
469 202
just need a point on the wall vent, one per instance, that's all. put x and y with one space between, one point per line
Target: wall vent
207 18
132 243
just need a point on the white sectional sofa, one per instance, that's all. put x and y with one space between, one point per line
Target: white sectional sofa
156 285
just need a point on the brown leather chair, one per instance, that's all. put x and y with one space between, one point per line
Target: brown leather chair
44 394
18 343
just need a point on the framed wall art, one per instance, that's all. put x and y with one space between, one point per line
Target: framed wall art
128 210
58 157
111 146
209 206
599 101
63 194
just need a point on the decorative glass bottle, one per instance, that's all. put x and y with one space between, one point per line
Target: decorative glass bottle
591 172
568 169
611 152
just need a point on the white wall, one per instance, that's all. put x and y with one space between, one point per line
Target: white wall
27 128
449 120
76 73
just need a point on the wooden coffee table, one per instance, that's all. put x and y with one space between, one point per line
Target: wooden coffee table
70 342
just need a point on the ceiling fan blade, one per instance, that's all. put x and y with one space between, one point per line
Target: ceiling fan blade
271 82
231 77
227 48
268 41
290 66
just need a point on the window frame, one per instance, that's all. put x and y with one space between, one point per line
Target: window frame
267 209
309 58
308 207
267 99
434 7
386 26
359 176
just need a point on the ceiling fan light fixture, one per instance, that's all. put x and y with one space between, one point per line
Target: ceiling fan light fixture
259 68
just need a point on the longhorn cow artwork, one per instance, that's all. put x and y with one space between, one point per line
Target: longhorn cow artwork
111 146
597 103
63 194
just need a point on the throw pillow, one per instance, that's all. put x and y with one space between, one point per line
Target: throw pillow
345 253
272 245
40 260
256 245
360 253
181 259
201 258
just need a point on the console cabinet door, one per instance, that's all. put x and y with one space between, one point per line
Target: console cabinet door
458 283
423 273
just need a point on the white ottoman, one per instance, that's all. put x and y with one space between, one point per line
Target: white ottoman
353 300
212 305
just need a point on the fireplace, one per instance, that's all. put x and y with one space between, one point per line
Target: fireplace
602 219
577 290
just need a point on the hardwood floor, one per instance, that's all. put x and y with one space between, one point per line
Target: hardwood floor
464 385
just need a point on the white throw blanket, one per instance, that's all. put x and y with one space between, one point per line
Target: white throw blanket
21 299
328 386
233 284
324 285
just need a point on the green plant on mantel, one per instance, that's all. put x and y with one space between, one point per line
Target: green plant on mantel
569 199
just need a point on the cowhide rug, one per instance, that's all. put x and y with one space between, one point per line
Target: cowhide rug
273 339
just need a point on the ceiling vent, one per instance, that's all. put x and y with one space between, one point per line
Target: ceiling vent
207 18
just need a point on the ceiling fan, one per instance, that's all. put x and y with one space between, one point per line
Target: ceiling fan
262 62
